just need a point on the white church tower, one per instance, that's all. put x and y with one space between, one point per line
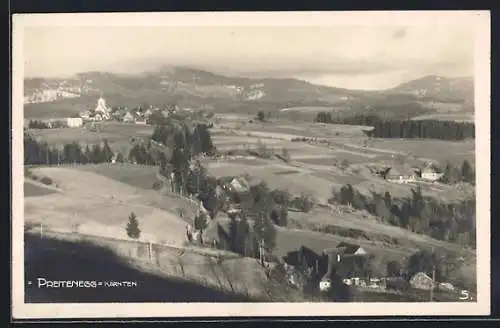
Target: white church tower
102 110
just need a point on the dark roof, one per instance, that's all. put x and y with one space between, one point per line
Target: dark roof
225 180
302 254
347 248
400 170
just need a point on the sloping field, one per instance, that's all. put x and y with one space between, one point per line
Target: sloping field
288 240
138 176
457 117
85 261
308 130
368 223
306 109
439 150
31 190
295 179
101 206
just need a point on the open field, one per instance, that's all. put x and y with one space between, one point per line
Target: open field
320 178
457 117
287 129
137 176
306 109
438 150
31 190
100 205
364 221
346 138
65 108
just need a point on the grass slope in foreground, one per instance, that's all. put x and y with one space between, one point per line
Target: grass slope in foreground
62 260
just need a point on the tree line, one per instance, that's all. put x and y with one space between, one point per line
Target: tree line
453 222
38 124
265 208
423 129
40 153
453 174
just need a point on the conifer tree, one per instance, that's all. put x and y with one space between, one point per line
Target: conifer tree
132 228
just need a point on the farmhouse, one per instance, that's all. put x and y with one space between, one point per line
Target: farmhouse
148 113
429 173
239 184
401 174
234 184
85 115
421 281
346 249
128 118
323 264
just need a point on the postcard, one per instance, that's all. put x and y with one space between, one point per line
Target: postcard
225 164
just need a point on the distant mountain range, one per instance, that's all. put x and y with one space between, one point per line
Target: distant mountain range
196 88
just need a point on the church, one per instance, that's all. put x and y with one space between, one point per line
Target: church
102 111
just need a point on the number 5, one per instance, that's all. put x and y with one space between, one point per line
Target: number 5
464 295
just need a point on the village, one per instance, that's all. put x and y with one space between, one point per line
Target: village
102 113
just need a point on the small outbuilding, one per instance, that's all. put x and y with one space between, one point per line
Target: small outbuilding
421 281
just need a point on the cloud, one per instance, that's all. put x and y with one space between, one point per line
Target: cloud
346 52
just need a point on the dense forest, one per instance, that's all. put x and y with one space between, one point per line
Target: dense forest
448 222
40 152
423 129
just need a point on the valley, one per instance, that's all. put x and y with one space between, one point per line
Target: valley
261 131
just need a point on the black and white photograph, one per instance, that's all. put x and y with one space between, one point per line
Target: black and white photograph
251 164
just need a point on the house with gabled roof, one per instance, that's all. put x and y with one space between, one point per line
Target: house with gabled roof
401 174
346 249
128 117
430 173
234 184
420 280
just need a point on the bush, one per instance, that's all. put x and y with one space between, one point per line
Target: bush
46 181
157 185
304 203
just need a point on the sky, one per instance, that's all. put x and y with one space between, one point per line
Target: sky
354 57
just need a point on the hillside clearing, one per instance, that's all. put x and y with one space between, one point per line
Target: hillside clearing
137 176
31 190
101 206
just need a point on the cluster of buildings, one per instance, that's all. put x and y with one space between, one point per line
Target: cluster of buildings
103 112
404 174
321 266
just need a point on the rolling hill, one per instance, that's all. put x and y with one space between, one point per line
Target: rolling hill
195 88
